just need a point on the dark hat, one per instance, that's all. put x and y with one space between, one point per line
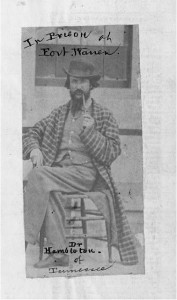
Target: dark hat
78 68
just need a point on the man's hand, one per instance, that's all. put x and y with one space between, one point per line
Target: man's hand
36 157
88 121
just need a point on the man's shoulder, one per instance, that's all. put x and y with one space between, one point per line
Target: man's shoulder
60 109
103 110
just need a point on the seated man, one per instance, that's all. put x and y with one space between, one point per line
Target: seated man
70 149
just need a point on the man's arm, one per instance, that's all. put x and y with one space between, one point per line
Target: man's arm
33 138
105 148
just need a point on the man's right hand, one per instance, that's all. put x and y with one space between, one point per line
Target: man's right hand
36 157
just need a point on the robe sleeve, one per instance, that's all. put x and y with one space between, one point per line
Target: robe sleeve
104 147
33 138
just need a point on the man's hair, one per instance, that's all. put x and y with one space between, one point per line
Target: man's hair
94 83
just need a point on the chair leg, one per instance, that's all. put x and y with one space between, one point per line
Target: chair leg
26 245
41 241
108 230
84 224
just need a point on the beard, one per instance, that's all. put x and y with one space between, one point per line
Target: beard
77 100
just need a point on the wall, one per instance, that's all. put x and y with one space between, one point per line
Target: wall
38 101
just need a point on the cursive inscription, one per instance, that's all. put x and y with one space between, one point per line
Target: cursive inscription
29 42
76 51
97 269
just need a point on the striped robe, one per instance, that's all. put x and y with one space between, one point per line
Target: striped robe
103 144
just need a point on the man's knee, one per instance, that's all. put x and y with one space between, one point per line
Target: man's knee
38 172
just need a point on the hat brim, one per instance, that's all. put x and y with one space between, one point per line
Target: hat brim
93 76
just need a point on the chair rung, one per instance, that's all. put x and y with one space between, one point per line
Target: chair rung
87 212
93 212
77 236
73 227
85 218
75 196
78 208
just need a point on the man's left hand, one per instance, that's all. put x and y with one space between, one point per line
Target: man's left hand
88 121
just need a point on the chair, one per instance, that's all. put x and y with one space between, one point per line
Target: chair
85 216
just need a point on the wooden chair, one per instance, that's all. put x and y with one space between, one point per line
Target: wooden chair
85 215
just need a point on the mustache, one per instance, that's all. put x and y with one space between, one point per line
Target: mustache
78 91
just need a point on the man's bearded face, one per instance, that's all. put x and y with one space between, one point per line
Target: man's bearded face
78 88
